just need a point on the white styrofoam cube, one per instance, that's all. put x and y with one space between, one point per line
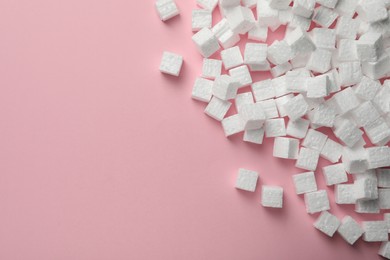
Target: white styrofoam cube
372 11
378 157
202 90
299 21
211 68
323 115
314 140
280 86
247 180
355 159
328 3
350 73
286 148
307 159
255 136
267 15
324 16
297 80
367 88
243 99
370 46
225 87
335 174
377 69
344 194
346 7
384 198
318 87
240 19
366 189
347 50
381 99
263 90
327 223
280 101
166 9
217 108
226 37
279 4
316 201
384 250
304 182
201 19
304 8
232 125
346 27
207 4
281 69
296 108
331 151
350 230
206 43
378 132
270 109
348 133
298 128
279 52
324 38
367 206
272 196
255 54
253 116
300 42
232 57
242 75
365 114
383 176
375 231
171 63
258 33
345 100
275 127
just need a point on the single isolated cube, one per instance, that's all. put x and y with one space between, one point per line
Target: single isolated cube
314 140
385 250
307 159
344 194
211 68
217 108
225 87
350 230
166 9
327 223
275 127
206 42
232 125
253 116
171 63
272 196
286 148
305 182
202 90
201 19
296 107
316 201
298 128
375 231
246 180
335 174
232 57
332 151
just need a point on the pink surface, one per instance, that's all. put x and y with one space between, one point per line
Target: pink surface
103 157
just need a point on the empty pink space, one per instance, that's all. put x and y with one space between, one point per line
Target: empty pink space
103 157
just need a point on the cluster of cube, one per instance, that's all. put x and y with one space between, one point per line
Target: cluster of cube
328 72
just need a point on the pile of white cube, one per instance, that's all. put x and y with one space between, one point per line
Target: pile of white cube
329 72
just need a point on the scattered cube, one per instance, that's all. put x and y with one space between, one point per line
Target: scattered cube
385 250
296 107
316 201
171 63
367 206
286 148
307 159
217 108
211 68
383 178
232 57
272 196
344 194
255 136
279 52
305 182
253 116
240 19
242 75
314 140
201 19
331 151
206 42
375 231
225 87
166 9
350 230
335 174
275 127
327 223
263 90
246 180
232 125
202 90
298 128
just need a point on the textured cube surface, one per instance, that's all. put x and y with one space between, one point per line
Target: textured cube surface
327 223
171 63
166 9
246 180
316 201
350 230
272 196
305 182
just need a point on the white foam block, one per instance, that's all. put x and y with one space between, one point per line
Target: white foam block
286 148
243 99
246 180
206 42
346 27
298 128
324 16
255 136
385 250
258 33
327 223
166 9
240 19
347 50
318 87
253 116
316 201
304 182
242 75
367 88
307 159
232 57
201 19
202 90
300 42
384 198
314 140
344 194
171 63
350 230
383 176
280 101
226 37
378 157
303 8
232 125
345 100
263 90
211 68
334 174
296 107
270 109
255 54
375 231
367 206
225 87
207 4
331 151
279 52
275 127
324 38
272 196
217 108
350 73
323 115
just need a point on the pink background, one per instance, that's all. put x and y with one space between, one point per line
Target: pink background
103 157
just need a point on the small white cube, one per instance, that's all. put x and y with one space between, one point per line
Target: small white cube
350 230
207 4
240 19
166 9
255 136
335 174
318 87
232 57
298 128
202 90
275 127
327 223
263 90
279 52
344 194
246 180
304 182
171 63
304 8
383 178
375 231
217 108
201 19
242 75
316 201
314 140
211 68
319 61
332 151
206 43
286 148
296 107
367 206
258 33
384 198
307 159
225 87
346 27
253 116
384 250
255 54
272 196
